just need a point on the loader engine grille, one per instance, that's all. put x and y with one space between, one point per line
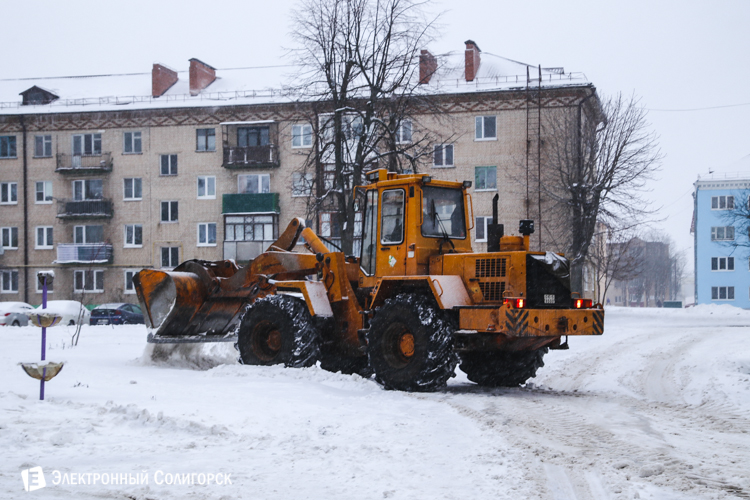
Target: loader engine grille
490 268
492 291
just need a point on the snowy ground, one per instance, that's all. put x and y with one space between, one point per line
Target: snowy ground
657 408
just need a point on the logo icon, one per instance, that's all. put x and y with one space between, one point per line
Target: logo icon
33 479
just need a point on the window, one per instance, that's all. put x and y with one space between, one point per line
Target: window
481 228
44 239
722 233
87 144
367 262
9 193
168 165
722 293
251 228
206 187
485 178
206 234
302 184
329 176
42 146
44 192
248 137
254 184
129 287
132 143
90 189
7 146
40 286
443 155
10 281
403 132
722 263
205 139
485 128
85 235
133 235
443 213
89 280
169 211
10 238
302 136
392 217
722 203
170 256
133 188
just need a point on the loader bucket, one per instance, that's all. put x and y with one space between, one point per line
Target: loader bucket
170 300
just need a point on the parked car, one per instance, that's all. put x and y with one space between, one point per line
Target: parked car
117 314
71 311
15 313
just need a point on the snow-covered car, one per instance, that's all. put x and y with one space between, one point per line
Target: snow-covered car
71 311
15 313
117 314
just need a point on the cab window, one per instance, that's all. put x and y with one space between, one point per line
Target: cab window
392 217
369 233
443 213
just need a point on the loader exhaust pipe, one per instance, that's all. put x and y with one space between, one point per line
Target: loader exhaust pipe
495 231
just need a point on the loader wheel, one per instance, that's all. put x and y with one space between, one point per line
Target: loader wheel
502 369
410 344
278 329
335 363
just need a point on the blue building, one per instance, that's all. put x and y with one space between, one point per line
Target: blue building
722 269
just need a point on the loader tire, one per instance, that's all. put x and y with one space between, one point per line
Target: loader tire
278 329
335 363
502 369
410 344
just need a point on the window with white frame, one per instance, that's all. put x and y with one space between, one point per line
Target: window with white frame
44 240
10 281
302 183
8 193
84 235
485 128
8 146
722 203
133 235
254 183
87 144
40 285
88 189
330 226
43 192
129 287
132 143
133 189
206 234
168 164
329 176
88 280
442 155
206 187
170 256
481 228
205 139
251 228
403 132
722 293
42 146
722 233
485 178
169 211
722 263
302 136
9 238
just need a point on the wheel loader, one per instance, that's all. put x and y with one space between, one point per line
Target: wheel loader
416 301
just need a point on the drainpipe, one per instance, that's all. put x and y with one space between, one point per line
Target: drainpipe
25 216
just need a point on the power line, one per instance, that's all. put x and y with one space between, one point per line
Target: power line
702 109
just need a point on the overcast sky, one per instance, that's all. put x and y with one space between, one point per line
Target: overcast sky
674 55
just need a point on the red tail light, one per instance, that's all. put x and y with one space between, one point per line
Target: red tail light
583 303
6 314
515 303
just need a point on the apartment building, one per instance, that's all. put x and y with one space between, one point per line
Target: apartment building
103 176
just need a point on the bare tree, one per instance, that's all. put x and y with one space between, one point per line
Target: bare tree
360 69
597 163
612 258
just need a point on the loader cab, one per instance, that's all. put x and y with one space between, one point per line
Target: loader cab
408 219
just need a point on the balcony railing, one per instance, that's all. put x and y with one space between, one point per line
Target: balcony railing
87 253
251 157
81 165
84 209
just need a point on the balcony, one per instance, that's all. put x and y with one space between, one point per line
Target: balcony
84 165
260 203
84 209
251 156
87 253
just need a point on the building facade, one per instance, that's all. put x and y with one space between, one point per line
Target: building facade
98 188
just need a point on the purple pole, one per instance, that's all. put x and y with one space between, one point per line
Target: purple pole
44 339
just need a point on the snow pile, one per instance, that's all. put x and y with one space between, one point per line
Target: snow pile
200 356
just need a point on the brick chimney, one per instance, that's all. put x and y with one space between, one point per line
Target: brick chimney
471 57
427 66
162 79
201 76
